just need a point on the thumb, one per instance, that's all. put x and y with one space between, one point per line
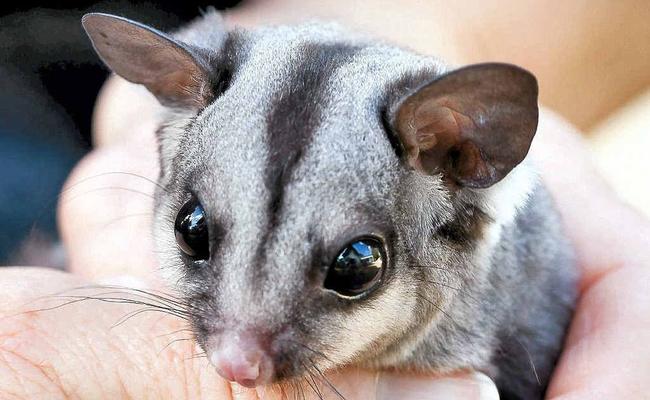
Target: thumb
467 386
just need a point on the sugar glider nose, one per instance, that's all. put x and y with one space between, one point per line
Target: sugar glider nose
242 359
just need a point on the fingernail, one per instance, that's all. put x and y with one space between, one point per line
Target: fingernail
471 386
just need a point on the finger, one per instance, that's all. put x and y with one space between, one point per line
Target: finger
124 113
606 355
356 384
77 351
105 213
106 207
605 232
470 386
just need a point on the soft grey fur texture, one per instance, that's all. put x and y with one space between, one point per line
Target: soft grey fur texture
296 158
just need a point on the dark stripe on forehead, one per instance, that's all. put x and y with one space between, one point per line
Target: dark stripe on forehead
297 110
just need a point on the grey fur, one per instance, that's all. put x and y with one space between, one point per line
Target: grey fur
294 159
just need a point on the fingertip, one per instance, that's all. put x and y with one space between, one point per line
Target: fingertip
487 388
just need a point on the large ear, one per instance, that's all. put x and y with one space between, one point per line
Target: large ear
474 124
171 70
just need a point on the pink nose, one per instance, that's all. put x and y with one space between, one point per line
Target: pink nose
241 359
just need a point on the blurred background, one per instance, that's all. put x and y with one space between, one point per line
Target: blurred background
592 59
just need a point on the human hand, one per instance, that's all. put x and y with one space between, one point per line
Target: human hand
604 354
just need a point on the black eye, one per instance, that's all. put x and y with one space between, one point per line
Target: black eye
357 268
191 230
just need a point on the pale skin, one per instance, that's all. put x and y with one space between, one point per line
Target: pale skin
73 352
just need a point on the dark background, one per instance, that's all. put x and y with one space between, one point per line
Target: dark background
49 79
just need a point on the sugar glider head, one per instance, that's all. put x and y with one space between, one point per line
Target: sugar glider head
308 177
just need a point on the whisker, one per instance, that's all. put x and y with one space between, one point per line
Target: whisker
118 294
440 284
198 355
164 298
172 342
148 307
310 349
312 382
327 381
451 271
67 303
47 205
458 289
464 295
296 387
300 389
124 217
68 200
142 311
133 174
436 307
108 297
174 332
530 360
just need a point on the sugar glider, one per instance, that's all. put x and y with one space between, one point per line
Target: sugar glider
327 199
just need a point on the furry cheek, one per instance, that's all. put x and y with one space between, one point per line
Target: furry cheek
372 327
